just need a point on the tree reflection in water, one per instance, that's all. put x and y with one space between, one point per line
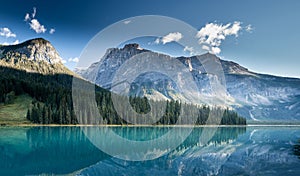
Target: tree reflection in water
64 150
297 149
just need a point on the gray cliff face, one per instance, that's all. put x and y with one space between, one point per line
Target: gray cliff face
257 97
102 73
36 55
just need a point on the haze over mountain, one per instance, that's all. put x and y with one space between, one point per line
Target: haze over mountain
258 97
36 55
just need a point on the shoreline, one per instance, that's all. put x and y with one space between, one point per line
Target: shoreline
194 126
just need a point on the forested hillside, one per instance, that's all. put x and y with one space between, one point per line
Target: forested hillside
52 102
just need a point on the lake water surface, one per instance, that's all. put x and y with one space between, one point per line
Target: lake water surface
229 151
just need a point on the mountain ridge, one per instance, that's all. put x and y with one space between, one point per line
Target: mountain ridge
259 97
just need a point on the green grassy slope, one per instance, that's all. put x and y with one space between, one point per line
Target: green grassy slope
15 112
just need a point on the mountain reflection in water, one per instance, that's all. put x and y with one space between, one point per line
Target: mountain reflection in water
231 151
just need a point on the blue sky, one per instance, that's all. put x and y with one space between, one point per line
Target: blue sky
271 47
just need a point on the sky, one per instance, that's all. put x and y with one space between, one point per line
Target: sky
262 36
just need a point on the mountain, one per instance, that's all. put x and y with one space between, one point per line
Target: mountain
36 87
36 55
258 97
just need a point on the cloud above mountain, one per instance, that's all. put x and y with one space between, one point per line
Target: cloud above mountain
37 27
249 28
127 22
189 49
51 31
71 59
6 32
212 35
75 59
13 43
35 24
171 37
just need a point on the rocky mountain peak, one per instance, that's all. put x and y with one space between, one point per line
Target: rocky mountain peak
37 49
254 96
35 55
131 46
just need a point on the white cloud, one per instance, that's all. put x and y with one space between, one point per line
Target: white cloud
171 37
189 49
249 28
13 43
34 12
52 31
205 47
215 50
157 41
5 43
234 29
6 32
16 42
127 22
75 59
212 35
35 24
27 17
37 27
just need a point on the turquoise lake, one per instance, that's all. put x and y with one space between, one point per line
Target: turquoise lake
74 150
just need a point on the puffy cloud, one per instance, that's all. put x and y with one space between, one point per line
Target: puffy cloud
6 32
212 34
27 17
189 49
157 41
13 43
249 28
35 24
171 37
52 31
234 29
5 43
37 27
215 50
34 12
16 42
205 47
75 59
127 22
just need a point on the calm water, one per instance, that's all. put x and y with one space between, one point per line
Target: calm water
230 151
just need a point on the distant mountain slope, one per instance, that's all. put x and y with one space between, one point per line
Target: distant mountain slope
36 55
256 96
